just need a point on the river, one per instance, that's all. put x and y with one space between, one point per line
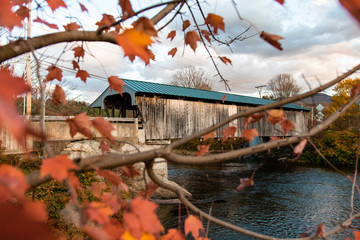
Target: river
286 200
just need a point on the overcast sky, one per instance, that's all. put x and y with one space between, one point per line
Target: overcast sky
320 41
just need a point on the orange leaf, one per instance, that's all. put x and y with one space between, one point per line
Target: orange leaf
126 8
215 21
57 167
114 179
13 180
98 212
97 188
135 43
206 35
83 75
191 38
54 73
58 96
228 132
146 26
54 4
275 116
353 7
186 24
287 125
11 86
80 123
202 149
354 90
253 118
50 25
300 147
79 52
357 235
272 39
174 234
171 35
8 18
116 84
209 135
37 210
223 98
150 189
72 26
193 225
112 201
172 52
83 8
104 147
245 182
249 134
75 65
225 60
23 12
104 127
106 20
129 171
320 230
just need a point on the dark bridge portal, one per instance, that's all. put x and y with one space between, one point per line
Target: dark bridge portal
121 103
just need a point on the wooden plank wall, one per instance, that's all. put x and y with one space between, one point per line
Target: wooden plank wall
176 118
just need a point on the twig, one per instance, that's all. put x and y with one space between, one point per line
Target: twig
208 223
354 182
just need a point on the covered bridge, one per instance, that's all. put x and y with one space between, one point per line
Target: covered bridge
170 112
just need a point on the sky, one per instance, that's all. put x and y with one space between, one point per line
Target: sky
321 41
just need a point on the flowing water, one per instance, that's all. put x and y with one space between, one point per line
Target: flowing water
287 199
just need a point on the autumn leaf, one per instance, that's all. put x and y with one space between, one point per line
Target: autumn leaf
105 21
149 190
202 149
225 60
126 8
36 209
171 35
272 39
275 116
79 52
193 225
135 43
146 26
228 132
287 125
172 52
253 118
206 35
104 147
54 73
11 86
129 171
174 234
83 8
114 179
249 134
57 167
104 127
72 26
80 123
82 74
58 96
116 84
97 188
245 182
191 39
97 233
112 201
300 147
54 4
320 230
223 98
186 24
23 12
280 1
215 21
75 65
209 135
13 180
98 212
353 7
354 90
8 18
50 25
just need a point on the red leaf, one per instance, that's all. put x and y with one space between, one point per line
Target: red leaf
300 147
98 212
272 39
80 123
223 98
97 188
225 60
191 39
135 43
320 230
126 8
13 180
112 201
114 179
146 26
129 171
193 225
104 147
172 52
104 127
97 233
83 8
353 7
249 134
50 25
11 86
202 149
186 24
287 125
79 52
171 35
37 210
228 132
54 73
354 90
206 35
174 234
8 18
280 1
106 20
275 116
83 75
57 167
72 26
22 12
58 96
54 4
209 135
245 182
357 235
253 118
116 84
215 21
75 65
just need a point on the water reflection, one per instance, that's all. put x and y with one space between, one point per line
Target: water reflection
286 200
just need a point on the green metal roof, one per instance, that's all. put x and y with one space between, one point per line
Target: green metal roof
133 86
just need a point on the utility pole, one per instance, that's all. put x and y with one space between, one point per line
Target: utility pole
260 87
28 65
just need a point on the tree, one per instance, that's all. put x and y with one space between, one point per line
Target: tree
282 86
105 215
192 77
